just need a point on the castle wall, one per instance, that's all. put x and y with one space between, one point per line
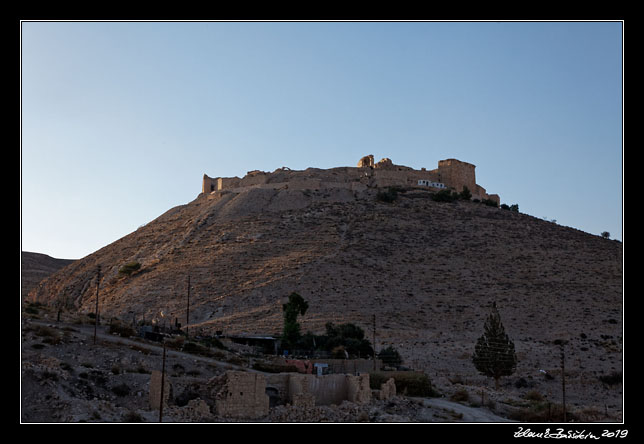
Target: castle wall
208 184
452 173
457 174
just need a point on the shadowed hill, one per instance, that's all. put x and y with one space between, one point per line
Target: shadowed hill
34 267
428 271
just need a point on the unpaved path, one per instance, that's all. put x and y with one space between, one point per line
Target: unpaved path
101 334
470 414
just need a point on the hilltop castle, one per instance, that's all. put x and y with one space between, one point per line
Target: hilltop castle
450 174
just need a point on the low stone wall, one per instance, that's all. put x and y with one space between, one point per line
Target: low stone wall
241 395
308 390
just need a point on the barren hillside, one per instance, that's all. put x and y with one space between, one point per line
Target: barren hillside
35 267
427 270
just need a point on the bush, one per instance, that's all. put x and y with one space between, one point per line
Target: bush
466 194
611 379
407 383
387 196
132 416
121 329
534 395
460 396
390 356
129 268
445 196
121 390
514 208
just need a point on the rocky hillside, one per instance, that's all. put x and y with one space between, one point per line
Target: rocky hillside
428 271
34 267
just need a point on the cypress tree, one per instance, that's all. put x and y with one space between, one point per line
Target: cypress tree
494 354
296 305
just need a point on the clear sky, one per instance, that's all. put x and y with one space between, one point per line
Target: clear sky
120 120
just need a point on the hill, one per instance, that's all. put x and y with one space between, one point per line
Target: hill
35 267
427 270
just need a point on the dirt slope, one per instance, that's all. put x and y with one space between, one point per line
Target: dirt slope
427 270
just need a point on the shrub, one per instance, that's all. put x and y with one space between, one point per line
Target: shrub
445 196
387 196
534 395
460 396
390 356
132 417
466 194
121 329
611 379
129 268
121 390
407 383
514 208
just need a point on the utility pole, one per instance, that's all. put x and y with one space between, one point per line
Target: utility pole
98 278
162 384
561 343
563 380
188 308
374 342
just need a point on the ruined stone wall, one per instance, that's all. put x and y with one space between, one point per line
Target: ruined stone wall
387 390
366 161
308 390
242 395
211 184
224 183
254 178
451 172
208 184
358 389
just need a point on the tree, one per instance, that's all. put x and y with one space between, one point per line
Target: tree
606 235
350 337
466 194
295 305
390 356
494 354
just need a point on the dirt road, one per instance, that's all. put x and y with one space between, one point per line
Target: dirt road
470 414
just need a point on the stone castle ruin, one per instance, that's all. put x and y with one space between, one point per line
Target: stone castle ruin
450 174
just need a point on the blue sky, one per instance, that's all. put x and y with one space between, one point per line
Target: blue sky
120 120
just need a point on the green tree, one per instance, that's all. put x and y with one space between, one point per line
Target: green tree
494 354
466 194
390 356
295 305
350 337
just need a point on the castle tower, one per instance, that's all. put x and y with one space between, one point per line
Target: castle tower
457 174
